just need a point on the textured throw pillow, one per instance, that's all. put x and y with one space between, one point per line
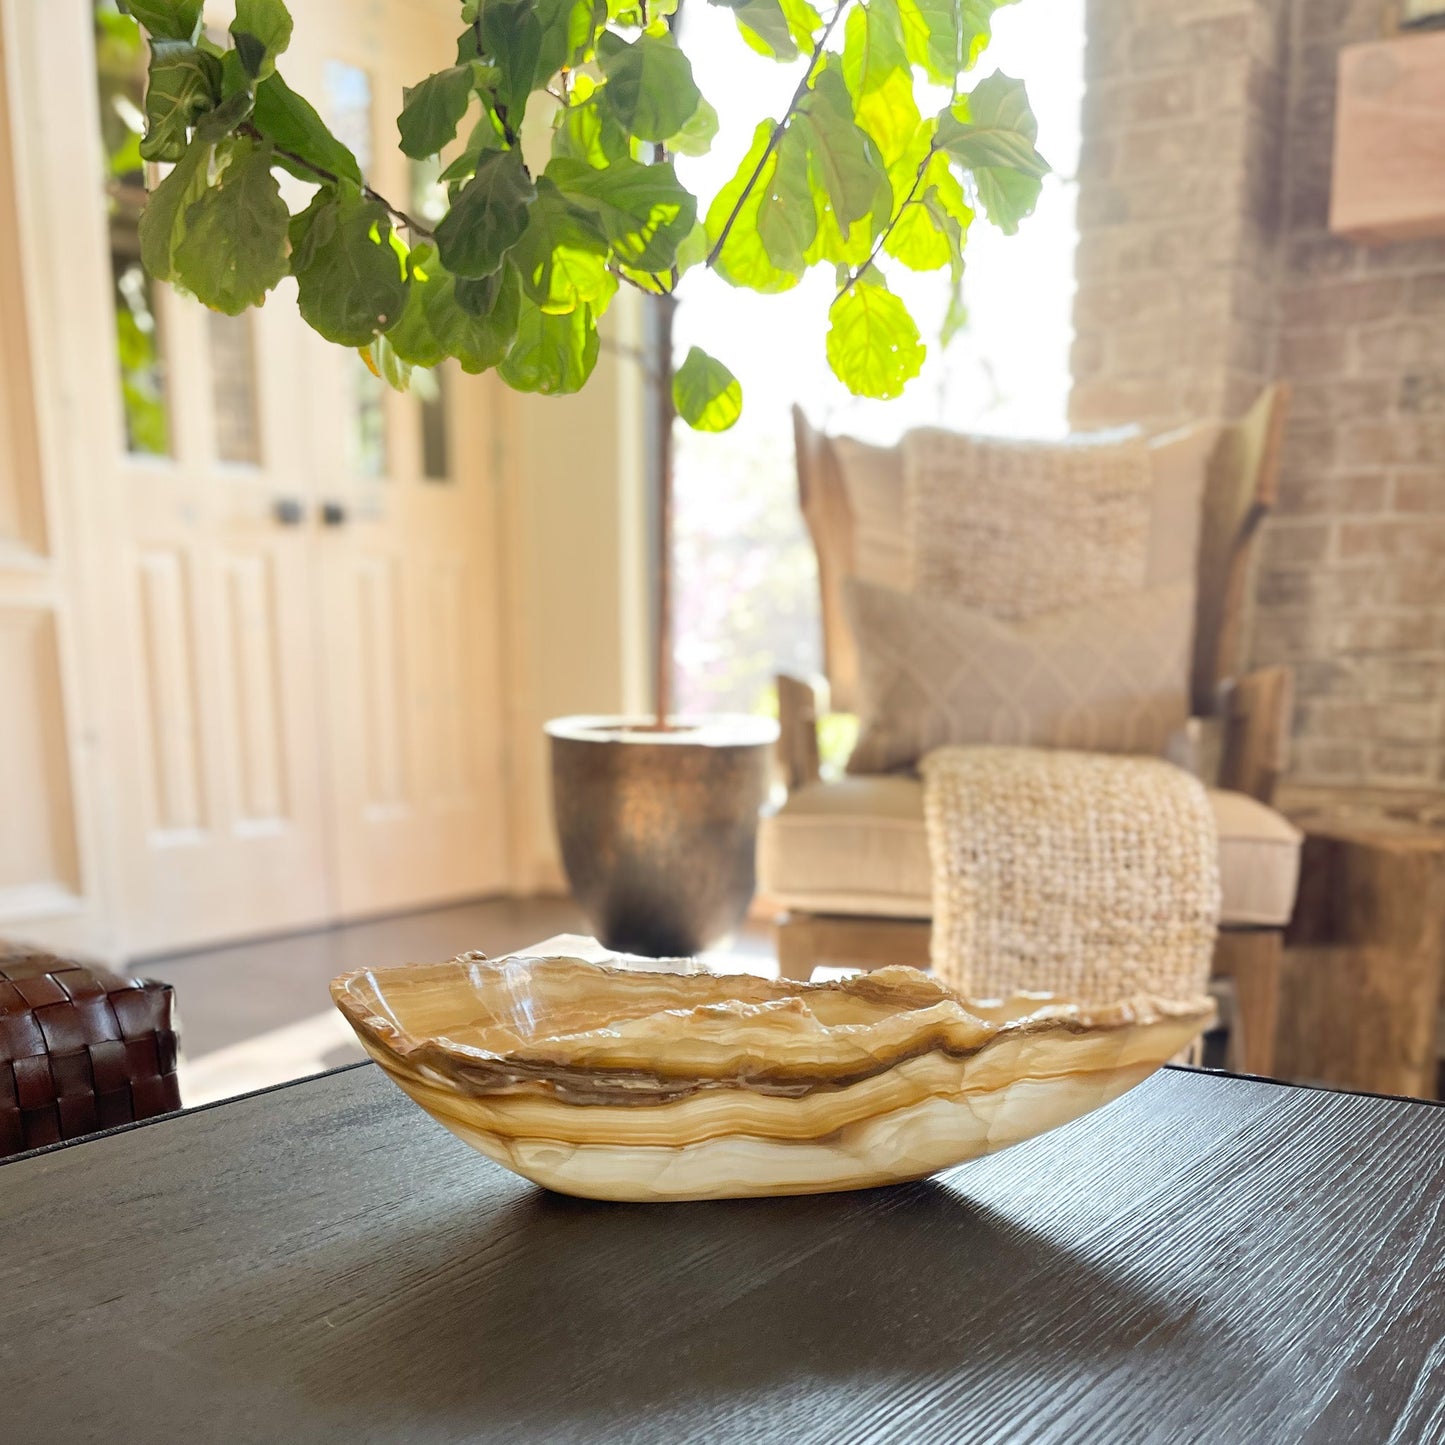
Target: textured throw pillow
872 478
1111 676
1017 529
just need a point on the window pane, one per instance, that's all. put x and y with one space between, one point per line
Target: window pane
428 194
233 387
140 356
367 443
431 389
429 203
348 103
349 112
746 578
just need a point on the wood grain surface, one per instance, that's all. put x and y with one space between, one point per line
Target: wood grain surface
1209 1258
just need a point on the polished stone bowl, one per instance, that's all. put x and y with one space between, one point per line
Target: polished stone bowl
616 1083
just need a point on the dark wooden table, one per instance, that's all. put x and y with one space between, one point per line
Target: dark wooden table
1209 1258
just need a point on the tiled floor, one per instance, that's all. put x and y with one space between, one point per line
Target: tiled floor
259 1013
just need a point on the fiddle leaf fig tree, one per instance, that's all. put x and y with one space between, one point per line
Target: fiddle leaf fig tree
878 161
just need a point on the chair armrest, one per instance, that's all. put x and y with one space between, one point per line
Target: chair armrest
797 732
1257 709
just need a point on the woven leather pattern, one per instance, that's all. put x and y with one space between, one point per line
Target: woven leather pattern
81 1049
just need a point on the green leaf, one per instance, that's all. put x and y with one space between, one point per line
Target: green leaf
786 220
183 84
1007 197
216 125
991 132
234 248
693 250
234 76
708 397
845 161
993 126
349 280
436 325
804 22
488 216
163 222
512 36
486 136
644 210
569 28
765 28
743 259
432 110
873 344
697 136
168 19
649 87
562 255
945 37
877 74
553 354
383 360
955 318
929 231
292 123
586 130
262 31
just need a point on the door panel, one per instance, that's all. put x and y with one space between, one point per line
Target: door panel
253 629
38 855
172 721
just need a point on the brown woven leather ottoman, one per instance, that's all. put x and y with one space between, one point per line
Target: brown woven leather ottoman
81 1049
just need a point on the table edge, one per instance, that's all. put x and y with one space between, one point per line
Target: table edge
184 1113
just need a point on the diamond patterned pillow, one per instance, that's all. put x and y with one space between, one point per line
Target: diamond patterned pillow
1111 676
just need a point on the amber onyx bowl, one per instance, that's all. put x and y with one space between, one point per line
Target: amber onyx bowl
615 1083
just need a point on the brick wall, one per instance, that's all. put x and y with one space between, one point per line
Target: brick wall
1205 268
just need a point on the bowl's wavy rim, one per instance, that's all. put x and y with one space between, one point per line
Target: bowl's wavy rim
475 1069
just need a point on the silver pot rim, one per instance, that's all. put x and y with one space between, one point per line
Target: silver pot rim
714 730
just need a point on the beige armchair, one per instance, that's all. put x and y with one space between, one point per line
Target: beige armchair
846 860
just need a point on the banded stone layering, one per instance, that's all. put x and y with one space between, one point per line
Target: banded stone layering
615 1083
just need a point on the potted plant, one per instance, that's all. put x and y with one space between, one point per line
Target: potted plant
879 160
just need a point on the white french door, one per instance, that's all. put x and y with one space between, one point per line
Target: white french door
291 599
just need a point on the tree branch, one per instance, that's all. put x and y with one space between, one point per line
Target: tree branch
893 221
777 134
640 355
632 281
330 177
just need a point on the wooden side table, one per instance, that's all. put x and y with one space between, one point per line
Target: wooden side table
1365 955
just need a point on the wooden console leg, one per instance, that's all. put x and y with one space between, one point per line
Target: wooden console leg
796 951
1252 959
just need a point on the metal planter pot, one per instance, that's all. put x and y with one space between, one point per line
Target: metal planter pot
658 829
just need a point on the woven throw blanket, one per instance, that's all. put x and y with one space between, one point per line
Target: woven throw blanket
1071 873
1016 529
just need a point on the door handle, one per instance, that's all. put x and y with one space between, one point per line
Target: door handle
333 514
288 511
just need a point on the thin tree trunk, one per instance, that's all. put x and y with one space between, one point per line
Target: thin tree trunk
666 306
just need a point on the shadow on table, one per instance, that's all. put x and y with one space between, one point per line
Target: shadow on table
541 1311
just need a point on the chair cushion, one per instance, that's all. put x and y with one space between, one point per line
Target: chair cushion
857 847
